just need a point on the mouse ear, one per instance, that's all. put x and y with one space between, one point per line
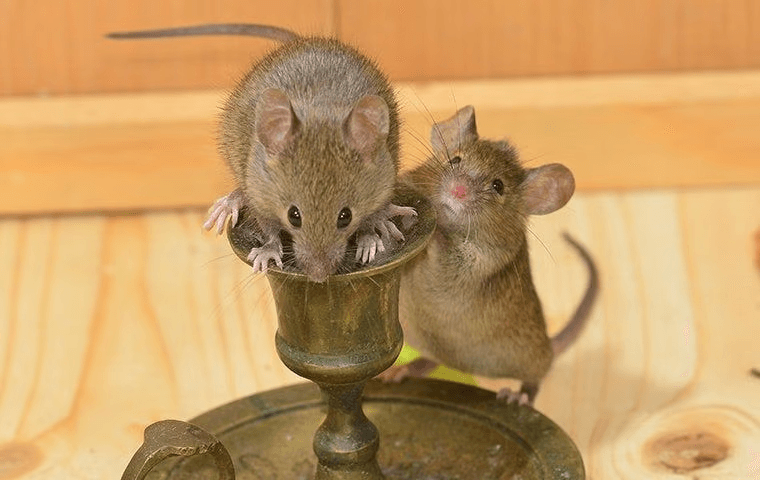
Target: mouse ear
276 122
367 124
448 135
547 188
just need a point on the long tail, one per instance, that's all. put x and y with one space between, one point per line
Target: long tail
570 332
247 29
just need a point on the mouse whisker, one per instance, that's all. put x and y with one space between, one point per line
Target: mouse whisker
532 159
232 295
541 242
208 263
420 142
424 106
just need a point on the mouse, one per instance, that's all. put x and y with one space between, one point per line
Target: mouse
468 301
311 135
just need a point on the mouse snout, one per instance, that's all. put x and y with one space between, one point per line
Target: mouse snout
459 188
317 273
319 264
458 191
457 195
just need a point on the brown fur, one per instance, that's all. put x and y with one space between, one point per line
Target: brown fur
468 301
318 171
314 124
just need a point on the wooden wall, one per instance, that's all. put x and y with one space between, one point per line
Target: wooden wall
57 46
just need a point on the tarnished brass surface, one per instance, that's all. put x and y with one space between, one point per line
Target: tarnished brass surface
341 333
430 430
345 329
174 438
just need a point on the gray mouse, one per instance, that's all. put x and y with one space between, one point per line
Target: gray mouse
311 136
468 301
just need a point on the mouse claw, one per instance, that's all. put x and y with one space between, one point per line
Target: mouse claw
367 246
408 215
420 367
394 374
225 207
510 396
260 257
399 211
389 230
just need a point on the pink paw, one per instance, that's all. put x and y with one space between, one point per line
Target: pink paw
510 396
226 207
260 257
418 368
394 374
367 246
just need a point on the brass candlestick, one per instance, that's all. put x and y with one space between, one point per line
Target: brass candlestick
340 334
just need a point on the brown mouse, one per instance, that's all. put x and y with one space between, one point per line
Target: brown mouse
311 136
469 301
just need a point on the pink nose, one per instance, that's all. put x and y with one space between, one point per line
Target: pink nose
459 191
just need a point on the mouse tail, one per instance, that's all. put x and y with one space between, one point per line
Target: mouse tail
246 29
570 332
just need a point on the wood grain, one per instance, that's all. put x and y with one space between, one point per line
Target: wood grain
108 323
136 152
55 47
492 38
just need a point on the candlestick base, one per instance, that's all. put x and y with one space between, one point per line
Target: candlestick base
430 429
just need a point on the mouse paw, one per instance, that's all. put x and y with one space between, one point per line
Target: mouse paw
367 246
394 374
387 229
510 396
408 215
417 368
226 207
260 257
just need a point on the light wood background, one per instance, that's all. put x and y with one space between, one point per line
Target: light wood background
146 151
108 323
116 310
57 46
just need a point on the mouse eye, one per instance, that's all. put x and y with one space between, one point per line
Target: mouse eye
344 218
294 216
455 160
498 185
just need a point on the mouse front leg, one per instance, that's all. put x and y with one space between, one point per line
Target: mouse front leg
378 230
260 256
387 228
226 207
368 244
270 250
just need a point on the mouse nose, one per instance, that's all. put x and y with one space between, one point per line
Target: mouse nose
319 265
317 274
459 191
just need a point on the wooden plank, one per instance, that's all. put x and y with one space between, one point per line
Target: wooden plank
54 47
434 39
133 152
108 323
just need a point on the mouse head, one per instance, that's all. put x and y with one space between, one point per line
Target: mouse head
481 188
320 177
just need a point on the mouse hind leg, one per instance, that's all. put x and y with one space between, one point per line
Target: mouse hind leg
417 368
525 396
